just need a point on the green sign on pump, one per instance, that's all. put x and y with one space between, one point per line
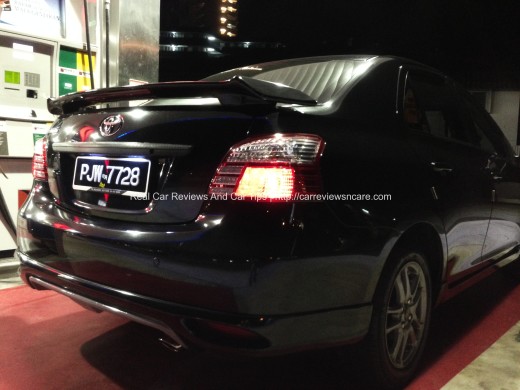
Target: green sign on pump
12 77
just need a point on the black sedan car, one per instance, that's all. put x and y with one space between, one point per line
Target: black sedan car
276 207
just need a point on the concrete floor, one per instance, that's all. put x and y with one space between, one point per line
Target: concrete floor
496 368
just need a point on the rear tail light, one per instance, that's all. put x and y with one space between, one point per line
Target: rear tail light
277 167
39 162
266 182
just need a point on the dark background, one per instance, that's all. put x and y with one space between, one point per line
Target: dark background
475 41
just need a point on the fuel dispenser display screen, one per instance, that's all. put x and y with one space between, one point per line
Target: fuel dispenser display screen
12 77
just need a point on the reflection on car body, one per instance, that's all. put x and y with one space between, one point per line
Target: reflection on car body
274 241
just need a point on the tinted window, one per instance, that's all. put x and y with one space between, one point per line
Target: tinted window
486 134
322 80
430 106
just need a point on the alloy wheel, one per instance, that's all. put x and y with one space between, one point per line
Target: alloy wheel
406 314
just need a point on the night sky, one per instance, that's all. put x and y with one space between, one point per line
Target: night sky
475 41
481 35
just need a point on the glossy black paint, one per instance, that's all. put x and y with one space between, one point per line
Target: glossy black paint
298 274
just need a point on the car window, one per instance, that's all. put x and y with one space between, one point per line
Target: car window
322 80
487 135
430 106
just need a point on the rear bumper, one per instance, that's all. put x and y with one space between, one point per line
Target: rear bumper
294 285
274 333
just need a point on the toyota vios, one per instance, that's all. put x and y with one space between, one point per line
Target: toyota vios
276 207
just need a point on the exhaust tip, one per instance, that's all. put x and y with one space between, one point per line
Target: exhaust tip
170 345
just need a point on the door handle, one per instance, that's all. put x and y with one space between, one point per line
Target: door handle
441 167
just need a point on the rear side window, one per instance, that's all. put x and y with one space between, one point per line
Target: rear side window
487 135
434 106
429 106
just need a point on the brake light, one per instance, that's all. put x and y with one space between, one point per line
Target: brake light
271 168
266 182
39 162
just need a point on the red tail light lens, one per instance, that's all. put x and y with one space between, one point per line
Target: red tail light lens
266 182
271 168
39 162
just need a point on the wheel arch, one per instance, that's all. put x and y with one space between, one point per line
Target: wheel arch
424 237
426 240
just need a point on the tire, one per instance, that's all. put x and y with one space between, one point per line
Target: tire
400 320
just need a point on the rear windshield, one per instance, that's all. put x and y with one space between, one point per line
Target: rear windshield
321 80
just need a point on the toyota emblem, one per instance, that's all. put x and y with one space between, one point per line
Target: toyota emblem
111 125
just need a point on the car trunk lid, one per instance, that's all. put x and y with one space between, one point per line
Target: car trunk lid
153 162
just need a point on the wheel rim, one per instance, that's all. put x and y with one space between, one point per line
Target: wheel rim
406 314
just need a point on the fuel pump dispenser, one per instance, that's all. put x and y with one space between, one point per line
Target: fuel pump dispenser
40 42
26 81
44 52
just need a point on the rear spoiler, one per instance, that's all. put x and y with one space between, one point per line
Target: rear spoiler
236 91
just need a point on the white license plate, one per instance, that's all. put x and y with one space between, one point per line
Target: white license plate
121 176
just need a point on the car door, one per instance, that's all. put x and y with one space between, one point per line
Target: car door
503 236
454 169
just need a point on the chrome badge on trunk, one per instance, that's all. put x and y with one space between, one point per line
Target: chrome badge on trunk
111 125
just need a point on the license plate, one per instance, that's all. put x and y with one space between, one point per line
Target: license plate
120 176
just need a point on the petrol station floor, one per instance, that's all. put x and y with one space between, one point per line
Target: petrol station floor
48 341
